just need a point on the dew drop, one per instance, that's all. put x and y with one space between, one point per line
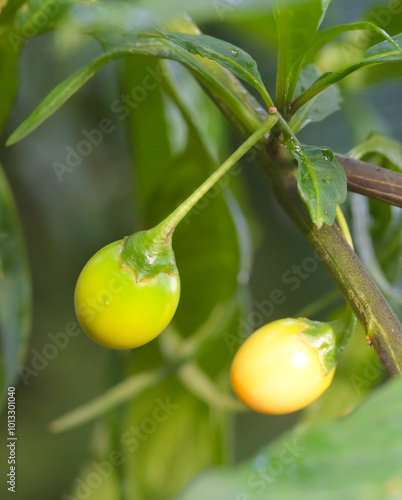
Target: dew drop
234 52
327 154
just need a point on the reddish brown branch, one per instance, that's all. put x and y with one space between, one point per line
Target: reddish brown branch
372 181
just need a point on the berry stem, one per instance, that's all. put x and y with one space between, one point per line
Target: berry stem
167 226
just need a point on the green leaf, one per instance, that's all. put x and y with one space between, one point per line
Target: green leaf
60 95
328 461
324 37
381 145
8 78
379 54
321 182
116 47
231 57
377 74
297 26
319 107
385 48
15 290
129 43
8 10
15 286
188 424
38 16
108 489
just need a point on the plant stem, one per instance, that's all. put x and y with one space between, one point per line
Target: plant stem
343 226
357 286
129 388
372 181
265 95
284 127
187 351
168 225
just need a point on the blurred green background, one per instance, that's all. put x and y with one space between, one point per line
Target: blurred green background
66 222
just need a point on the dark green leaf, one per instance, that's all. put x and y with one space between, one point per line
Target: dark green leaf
317 108
117 47
385 48
37 16
60 95
15 290
15 287
8 11
329 34
209 73
73 83
324 37
297 26
377 74
321 182
8 78
239 62
188 425
381 145
379 54
327 462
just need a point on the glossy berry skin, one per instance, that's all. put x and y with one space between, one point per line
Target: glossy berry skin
114 309
275 372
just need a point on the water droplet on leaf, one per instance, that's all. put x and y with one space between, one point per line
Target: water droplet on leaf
328 154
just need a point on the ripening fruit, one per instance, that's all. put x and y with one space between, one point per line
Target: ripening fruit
276 372
128 292
118 310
